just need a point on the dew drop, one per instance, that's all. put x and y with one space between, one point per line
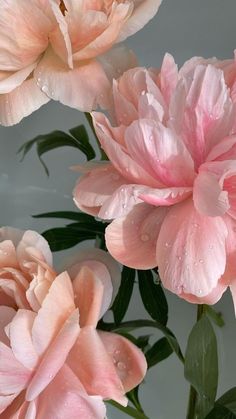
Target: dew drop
195 263
196 225
124 206
145 237
179 257
167 244
44 89
199 292
117 352
200 260
121 366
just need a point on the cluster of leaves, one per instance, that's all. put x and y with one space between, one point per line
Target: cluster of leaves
201 359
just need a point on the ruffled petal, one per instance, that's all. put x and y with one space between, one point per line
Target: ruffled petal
55 357
129 361
191 251
160 152
56 309
91 363
132 239
6 316
21 102
20 337
95 187
65 397
143 11
84 87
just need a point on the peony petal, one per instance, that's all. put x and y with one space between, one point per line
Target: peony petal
55 356
90 362
103 42
56 309
191 253
209 198
121 202
105 267
21 102
5 401
24 32
65 397
130 363
224 150
144 11
84 87
94 188
165 196
168 77
6 316
12 80
126 166
118 60
20 337
88 290
32 240
160 152
8 255
208 116
132 239
13 375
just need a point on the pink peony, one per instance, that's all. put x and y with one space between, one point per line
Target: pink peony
26 271
50 49
53 361
170 184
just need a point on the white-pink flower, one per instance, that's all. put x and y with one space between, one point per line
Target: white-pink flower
171 181
53 361
50 49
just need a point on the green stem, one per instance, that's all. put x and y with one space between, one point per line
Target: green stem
130 411
90 122
192 402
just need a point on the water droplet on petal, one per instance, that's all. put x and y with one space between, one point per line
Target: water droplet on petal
145 237
45 88
200 260
121 366
199 292
143 92
179 257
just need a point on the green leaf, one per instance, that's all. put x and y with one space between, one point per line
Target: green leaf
93 226
201 364
130 411
229 400
224 406
56 139
123 297
214 315
220 412
158 352
68 215
134 398
135 324
62 238
153 297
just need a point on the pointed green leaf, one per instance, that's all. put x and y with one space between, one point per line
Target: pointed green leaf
225 406
68 215
123 297
201 364
158 352
56 139
153 297
64 238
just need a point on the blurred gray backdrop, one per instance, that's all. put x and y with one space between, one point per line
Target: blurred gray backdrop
184 28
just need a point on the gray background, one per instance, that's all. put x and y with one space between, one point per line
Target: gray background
183 28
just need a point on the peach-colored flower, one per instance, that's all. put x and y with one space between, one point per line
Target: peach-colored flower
49 50
26 270
53 361
170 184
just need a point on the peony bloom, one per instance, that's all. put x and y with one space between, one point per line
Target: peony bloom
50 49
53 361
170 185
26 270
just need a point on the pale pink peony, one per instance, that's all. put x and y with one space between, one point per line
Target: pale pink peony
53 361
26 271
170 184
50 50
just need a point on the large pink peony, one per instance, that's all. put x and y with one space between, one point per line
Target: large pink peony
53 361
49 50
170 185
